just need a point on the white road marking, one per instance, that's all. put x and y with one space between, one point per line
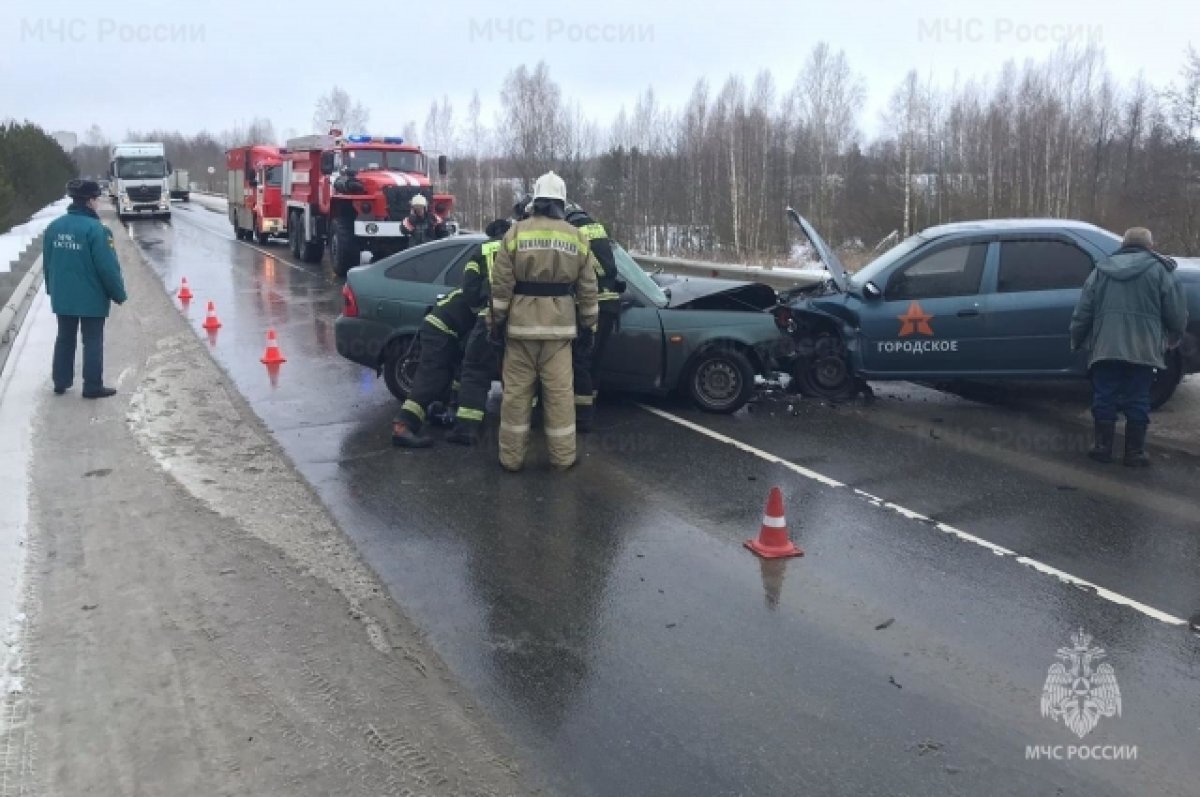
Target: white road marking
272 255
876 501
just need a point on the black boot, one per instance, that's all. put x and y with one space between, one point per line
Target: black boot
100 392
1102 450
1135 445
404 437
585 416
464 433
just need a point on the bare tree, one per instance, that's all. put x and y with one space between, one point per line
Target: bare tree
336 109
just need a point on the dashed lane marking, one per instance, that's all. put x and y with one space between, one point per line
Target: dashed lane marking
876 501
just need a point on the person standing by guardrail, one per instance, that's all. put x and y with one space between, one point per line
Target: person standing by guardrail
83 278
1132 310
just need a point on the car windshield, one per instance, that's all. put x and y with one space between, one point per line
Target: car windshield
274 175
633 274
141 168
382 159
881 263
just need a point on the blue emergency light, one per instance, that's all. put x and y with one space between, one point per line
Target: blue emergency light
361 138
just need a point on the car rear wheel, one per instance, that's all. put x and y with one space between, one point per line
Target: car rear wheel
720 380
400 365
1166 381
826 374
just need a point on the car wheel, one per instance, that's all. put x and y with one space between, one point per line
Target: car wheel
826 374
343 247
720 380
400 365
1166 381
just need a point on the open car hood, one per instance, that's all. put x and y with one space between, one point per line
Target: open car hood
837 272
704 293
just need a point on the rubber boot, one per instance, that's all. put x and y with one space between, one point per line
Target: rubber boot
1103 448
464 433
1135 445
585 416
404 437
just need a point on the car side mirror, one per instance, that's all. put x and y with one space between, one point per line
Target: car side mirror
443 166
871 291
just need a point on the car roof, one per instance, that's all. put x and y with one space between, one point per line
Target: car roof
1006 225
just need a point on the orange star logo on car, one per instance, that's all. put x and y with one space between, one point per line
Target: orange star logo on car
915 322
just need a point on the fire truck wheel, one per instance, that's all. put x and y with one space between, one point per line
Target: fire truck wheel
343 247
294 234
263 237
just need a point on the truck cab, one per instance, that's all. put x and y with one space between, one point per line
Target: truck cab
255 175
140 174
352 193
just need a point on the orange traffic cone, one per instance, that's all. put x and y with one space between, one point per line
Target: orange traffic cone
185 293
211 321
773 541
272 356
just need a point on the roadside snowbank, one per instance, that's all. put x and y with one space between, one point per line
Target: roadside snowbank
13 242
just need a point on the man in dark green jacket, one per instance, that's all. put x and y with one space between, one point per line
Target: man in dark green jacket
1132 311
82 277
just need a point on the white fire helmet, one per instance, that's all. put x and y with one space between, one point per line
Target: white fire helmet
550 186
419 201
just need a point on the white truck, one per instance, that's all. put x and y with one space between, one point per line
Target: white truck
181 186
141 180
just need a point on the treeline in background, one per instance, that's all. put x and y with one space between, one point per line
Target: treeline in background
34 171
1060 137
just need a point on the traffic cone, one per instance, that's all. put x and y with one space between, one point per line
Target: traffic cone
211 321
773 541
185 293
272 356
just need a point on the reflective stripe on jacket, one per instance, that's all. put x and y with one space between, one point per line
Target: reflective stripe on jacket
544 250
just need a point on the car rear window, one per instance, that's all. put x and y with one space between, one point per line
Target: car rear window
424 267
1042 266
949 271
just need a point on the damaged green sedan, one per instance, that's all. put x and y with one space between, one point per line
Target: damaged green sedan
703 338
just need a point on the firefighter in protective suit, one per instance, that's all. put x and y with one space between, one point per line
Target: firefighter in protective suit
587 359
542 261
479 355
441 337
421 225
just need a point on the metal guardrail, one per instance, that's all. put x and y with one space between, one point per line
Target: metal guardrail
775 277
15 308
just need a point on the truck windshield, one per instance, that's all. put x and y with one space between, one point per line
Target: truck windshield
273 175
141 168
382 159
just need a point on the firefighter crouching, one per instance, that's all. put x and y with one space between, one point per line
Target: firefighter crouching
541 261
589 350
479 355
440 338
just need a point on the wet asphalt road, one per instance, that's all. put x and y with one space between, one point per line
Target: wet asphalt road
611 621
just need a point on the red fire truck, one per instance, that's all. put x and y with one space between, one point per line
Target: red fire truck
255 201
353 192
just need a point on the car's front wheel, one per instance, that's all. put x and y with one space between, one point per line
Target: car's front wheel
826 373
400 365
1167 380
720 380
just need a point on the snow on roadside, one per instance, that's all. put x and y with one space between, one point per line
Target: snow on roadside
13 242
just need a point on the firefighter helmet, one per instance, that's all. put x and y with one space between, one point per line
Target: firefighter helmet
550 186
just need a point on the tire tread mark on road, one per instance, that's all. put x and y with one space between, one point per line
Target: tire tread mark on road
946 528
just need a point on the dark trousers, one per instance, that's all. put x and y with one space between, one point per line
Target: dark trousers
69 329
435 372
586 364
1121 387
479 365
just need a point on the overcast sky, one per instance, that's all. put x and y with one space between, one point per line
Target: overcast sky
210 64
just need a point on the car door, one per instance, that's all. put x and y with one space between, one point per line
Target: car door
931 318
1038 283
633 357
412 285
